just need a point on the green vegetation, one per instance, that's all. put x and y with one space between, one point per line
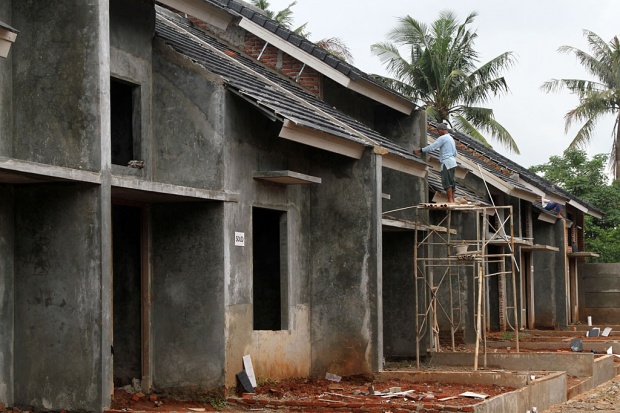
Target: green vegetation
587 180
440 71
596 98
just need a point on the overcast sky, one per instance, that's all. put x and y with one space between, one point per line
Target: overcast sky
532 29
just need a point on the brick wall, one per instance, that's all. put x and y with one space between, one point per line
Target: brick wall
283 63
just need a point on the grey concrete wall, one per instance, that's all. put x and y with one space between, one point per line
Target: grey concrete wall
349 102
6 294
599 292
6 89
405 191
132 25
188 300
399 332
549 277
56 82
188 132
346 274
252 144
58 297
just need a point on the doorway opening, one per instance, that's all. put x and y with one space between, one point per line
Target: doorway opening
127 293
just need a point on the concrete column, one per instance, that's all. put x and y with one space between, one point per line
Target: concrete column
6 295
345 272
6 89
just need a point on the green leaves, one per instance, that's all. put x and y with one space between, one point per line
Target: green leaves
597 98
587 180
437 66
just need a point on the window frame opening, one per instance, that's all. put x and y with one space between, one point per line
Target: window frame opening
269 269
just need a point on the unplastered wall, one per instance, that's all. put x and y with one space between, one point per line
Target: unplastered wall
6 89
253 145
345 266
132 24
188 132
57 78
7 294
187 301
549 276
59 306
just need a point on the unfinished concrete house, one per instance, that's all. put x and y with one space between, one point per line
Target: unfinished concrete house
528 255
171 203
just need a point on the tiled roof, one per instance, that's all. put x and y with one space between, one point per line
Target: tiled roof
266 88
307 46
434 181
503 167
7 27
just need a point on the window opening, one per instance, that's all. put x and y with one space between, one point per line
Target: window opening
269 241
124 99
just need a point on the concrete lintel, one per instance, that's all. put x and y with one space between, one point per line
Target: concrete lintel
19 171
286 177
142 190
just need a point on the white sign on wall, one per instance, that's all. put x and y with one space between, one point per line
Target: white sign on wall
240 239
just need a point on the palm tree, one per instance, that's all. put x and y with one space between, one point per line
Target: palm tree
597 98
440 71
332 45
284 17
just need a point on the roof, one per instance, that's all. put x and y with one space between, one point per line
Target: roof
308 48
434 181
272 93
5 26
511 172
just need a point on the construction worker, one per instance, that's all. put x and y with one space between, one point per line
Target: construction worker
447 158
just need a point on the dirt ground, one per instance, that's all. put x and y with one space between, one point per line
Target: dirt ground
360 390
350 390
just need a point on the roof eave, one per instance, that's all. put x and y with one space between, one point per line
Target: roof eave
360 85
202 10
308 136
398 163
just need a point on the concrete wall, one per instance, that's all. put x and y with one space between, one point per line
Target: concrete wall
188 136
346 274
252 144
58 298
6 294
6 88
399 333
188 300
132 25
56 82
600 292
549 277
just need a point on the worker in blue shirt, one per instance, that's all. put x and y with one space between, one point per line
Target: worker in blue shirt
447 158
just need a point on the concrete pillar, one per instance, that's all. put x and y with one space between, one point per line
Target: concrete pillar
346 273
6 88
6 295
58 297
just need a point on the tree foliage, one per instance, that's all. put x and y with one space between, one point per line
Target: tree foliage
597 98
586 179
333 45
439 68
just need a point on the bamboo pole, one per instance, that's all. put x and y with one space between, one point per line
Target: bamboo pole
479 317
